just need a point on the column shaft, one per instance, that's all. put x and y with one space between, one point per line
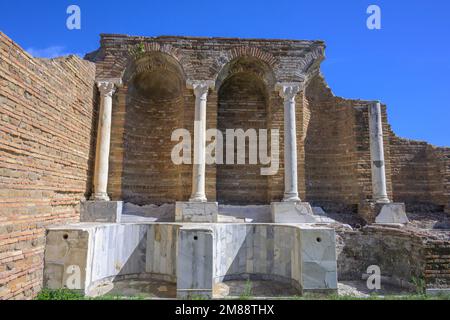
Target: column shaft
377 154
288 93
107 90
198 171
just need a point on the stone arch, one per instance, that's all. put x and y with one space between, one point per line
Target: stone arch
154 90
244 86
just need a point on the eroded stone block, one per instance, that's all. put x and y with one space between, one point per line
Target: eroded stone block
292 212
196 211
66 259
101 211
318 259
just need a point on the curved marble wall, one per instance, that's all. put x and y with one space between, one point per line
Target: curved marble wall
195 256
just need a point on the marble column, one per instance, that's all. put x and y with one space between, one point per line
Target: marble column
198 172
288 92
106 89
377 154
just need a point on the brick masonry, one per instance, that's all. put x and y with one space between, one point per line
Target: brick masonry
337 151
437 263
47 121
420 175
245 73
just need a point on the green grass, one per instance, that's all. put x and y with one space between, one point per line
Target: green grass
66 294
61 294
247 294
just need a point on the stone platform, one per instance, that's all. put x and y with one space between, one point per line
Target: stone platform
195 258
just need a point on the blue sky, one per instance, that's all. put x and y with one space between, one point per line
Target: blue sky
406 64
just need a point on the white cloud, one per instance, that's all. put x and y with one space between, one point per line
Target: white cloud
50 52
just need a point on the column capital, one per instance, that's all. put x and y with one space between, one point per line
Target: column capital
107 87
288 90
200 87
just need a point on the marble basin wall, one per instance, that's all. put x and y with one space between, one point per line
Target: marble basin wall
104 253
301 255
87 256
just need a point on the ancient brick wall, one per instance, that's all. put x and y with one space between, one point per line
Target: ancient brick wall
420 174
437 263
242 105
337 151
46 152
149 175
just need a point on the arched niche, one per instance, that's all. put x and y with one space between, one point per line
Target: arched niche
154 85
244 86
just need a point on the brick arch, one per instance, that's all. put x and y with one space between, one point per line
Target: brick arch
125 62
249 61
254 52
150 60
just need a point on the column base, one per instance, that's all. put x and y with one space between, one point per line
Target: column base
382 201
196 212
392 213
99 197
198 199
291 197
383 213
292 212
101 211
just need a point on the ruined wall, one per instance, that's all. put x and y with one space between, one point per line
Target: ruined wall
337 150
420 175
400 254
329 151
46 154
405 256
